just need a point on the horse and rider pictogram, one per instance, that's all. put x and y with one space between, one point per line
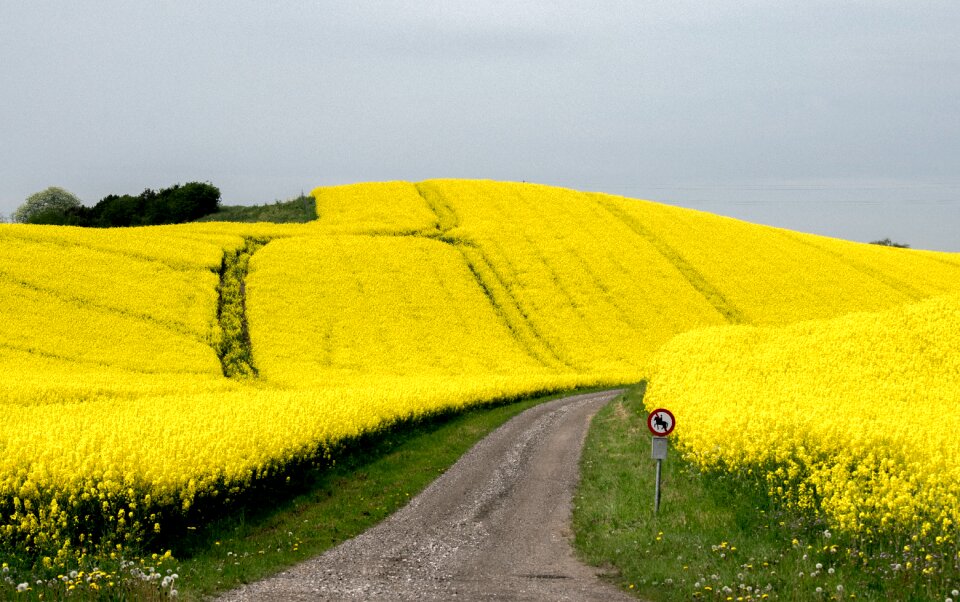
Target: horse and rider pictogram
661 422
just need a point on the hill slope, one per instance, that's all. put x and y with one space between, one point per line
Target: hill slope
400 300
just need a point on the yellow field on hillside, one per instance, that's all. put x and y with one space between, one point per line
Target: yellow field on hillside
855 415
400 300
345 308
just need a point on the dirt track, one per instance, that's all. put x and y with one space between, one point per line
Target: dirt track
496 526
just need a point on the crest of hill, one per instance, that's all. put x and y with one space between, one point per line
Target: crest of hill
748 273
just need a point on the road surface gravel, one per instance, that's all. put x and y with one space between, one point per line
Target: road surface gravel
495 526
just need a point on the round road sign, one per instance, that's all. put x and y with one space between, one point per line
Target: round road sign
661 422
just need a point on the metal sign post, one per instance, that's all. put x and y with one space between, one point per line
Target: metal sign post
661 423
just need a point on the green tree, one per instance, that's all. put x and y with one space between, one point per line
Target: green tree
173 205
48 206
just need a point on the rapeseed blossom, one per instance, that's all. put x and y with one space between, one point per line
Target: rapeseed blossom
852 418
402 300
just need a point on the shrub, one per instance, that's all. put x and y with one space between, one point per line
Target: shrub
50 206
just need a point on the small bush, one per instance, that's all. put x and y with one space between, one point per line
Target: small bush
50 206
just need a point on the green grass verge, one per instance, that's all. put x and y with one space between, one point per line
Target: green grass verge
718 538
299 210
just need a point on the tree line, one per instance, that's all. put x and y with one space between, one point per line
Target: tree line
173 205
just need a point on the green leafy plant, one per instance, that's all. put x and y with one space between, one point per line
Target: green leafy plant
49 206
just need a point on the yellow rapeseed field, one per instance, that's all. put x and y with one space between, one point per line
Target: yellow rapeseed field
592 294
349 308
402 300
854 416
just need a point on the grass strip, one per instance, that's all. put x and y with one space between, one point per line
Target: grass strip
717 537
236 356
299 210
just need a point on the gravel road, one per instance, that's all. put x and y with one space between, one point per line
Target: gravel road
496 526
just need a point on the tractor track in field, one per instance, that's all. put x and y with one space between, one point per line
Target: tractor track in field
495 526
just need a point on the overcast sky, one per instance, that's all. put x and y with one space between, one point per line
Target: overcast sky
841 118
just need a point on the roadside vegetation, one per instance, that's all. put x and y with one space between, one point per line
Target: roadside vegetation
285 521
719 536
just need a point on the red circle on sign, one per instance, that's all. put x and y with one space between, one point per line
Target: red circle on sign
661 422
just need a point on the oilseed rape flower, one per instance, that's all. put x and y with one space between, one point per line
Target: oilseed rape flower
119 417
593 293
388 208
378 316
852 417
766 275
